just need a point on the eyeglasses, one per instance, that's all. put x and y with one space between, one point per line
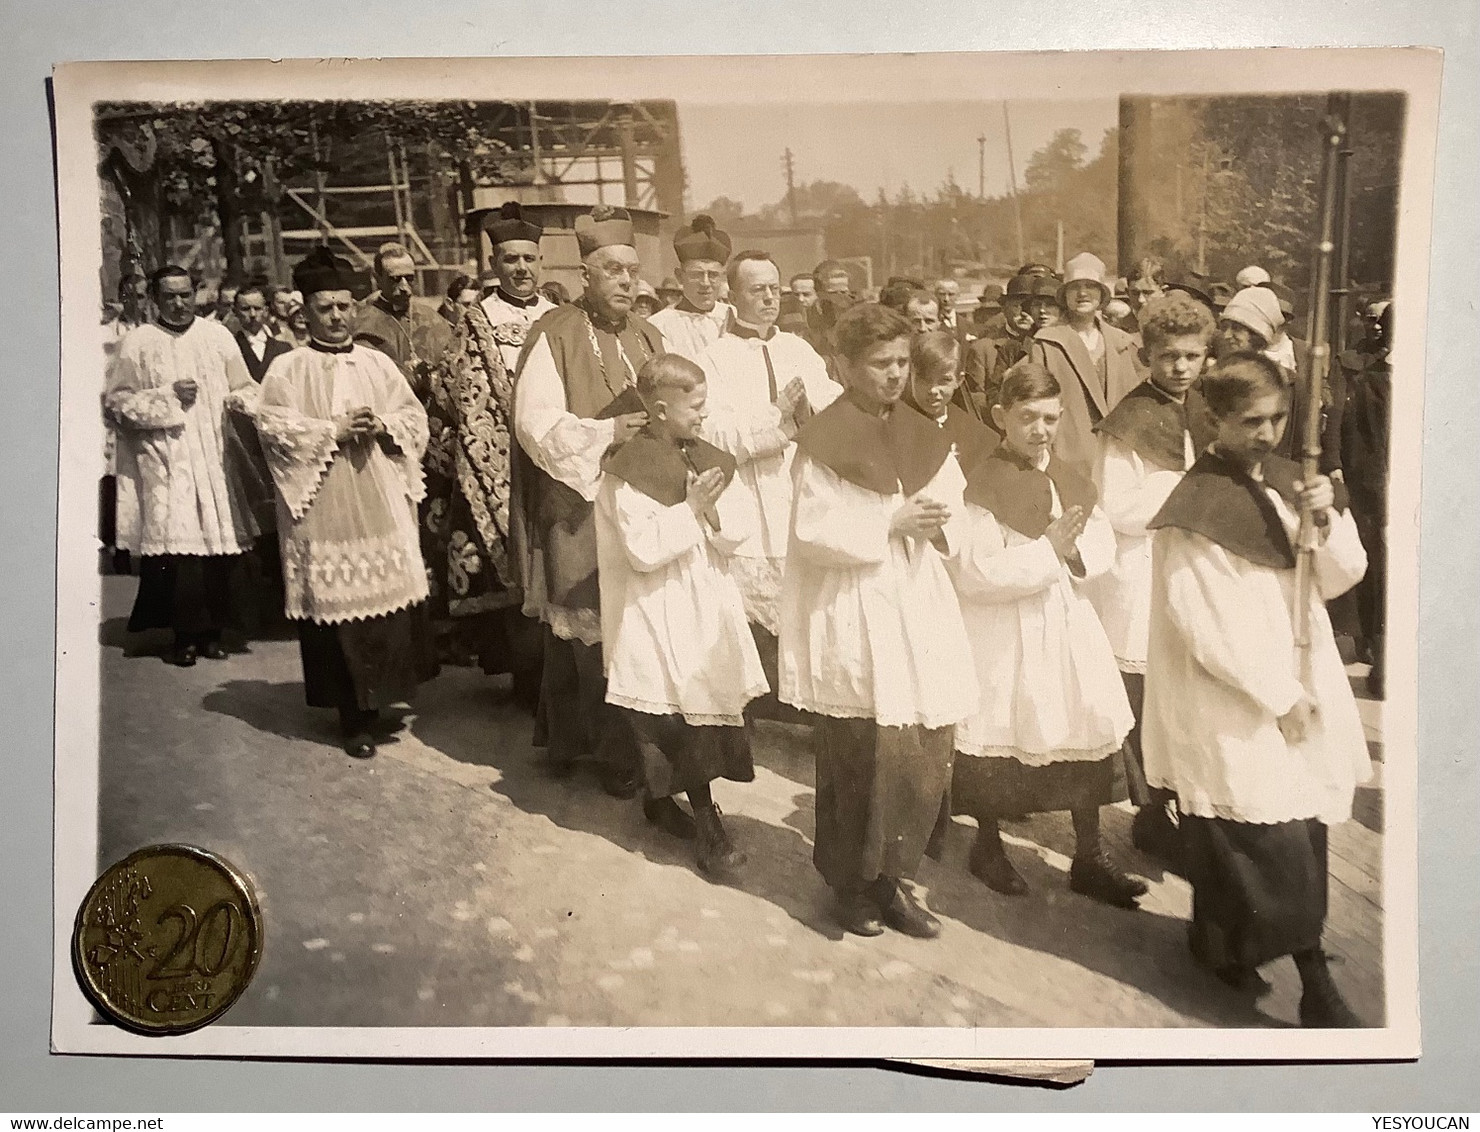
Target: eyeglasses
615 271
700 275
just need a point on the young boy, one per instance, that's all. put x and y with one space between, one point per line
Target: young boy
1053 713
935 378
680 661
1147 443
871 632
1264 750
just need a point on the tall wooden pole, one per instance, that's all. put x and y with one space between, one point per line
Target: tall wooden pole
1017 205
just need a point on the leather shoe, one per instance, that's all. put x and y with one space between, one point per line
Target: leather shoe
182 656
212 650
670 817
993 869
859 915
1099 879
359 746
905 914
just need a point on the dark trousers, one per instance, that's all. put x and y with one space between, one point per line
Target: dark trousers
879 793
189 593
574 721
361 666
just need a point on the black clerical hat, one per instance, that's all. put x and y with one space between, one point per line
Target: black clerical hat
322 270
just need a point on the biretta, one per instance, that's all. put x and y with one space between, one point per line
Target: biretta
701 240
510 223
604 227
322 270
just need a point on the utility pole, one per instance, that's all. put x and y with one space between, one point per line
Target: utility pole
981 167
791 188
1017 207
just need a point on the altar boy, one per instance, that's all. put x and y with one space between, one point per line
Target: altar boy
871 637
680 661
1053 713
1263 748
1147 443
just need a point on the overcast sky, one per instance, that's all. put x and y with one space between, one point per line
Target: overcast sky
735 151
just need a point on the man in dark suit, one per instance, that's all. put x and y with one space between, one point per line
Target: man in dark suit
253 339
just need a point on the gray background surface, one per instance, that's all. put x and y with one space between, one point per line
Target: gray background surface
34 36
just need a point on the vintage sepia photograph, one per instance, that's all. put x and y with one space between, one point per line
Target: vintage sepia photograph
851 556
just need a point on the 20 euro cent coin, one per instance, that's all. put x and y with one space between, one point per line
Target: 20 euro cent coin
167 939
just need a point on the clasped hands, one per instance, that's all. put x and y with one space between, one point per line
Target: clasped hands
359 424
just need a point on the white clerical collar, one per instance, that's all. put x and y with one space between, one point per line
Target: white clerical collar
1041 463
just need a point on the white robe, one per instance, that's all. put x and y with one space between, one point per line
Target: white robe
745 422
1221 670
690 333
870 624
176 494
346 512
1050 691
1132 491
511 324
674 635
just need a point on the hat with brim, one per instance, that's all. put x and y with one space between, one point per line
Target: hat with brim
322 270
1258 309
1043 287
1086 267
604 227
992 295
1195 285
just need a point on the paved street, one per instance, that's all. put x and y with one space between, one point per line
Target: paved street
449 882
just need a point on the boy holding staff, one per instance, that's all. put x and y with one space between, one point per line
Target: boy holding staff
1262 757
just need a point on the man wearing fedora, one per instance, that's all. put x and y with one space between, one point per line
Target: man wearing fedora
1093 362
987 358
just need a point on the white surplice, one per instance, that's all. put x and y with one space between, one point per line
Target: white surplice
346 511
674 634
870 624
511 323
1050 690
690 333
176 494
745 422
1132 491
1221 670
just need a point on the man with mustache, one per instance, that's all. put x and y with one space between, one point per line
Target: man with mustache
515 304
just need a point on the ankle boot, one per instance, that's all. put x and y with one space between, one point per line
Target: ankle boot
1096 876
1321 1004
990 865
717 856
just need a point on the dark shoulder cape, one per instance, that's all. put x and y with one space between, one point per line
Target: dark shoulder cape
1017 494
900 452
659 468
1150 422
974 441
1218 500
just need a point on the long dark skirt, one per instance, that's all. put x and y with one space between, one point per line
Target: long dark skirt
676 755
573 721
879 792
363 665
189 593
1258 891
1004 787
